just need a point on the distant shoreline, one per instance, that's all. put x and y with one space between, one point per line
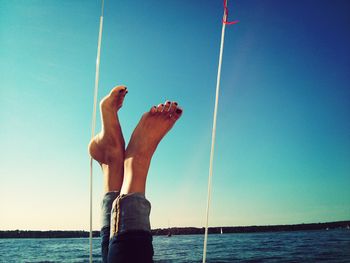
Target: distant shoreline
182 230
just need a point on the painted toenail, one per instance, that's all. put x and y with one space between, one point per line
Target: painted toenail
178 111
168 102
175 103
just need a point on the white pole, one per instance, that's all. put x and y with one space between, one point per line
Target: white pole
213 140
93 123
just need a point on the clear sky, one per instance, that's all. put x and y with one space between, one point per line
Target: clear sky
283 134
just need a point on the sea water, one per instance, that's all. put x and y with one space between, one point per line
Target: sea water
300 246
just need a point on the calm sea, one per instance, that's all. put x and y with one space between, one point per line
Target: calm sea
302 246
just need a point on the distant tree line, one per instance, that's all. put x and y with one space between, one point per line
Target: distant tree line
46 234
253 229
182 230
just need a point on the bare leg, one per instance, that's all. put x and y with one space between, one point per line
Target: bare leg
152 127
108 146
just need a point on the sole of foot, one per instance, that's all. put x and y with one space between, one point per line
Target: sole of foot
153 126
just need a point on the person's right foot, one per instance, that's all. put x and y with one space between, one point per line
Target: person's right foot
152 127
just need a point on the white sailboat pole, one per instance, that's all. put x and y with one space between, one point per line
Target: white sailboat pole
93 123
213 139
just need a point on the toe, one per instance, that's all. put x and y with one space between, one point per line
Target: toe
167 105
160 107
118 90
124 91
173 107
115 98
178 112
117 94
153 110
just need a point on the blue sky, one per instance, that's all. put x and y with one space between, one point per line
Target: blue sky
283 134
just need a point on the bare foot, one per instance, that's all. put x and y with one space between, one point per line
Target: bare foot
152 127
107 147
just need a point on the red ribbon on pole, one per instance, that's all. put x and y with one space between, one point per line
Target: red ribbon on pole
224 19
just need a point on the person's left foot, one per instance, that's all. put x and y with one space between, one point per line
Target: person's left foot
151 129
108 146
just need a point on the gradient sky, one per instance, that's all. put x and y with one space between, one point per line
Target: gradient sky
283 134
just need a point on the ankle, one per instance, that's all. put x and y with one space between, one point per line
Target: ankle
135 174
138 164
113 176
140 154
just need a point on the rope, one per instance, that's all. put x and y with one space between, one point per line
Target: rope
214 126
224 19
93 123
